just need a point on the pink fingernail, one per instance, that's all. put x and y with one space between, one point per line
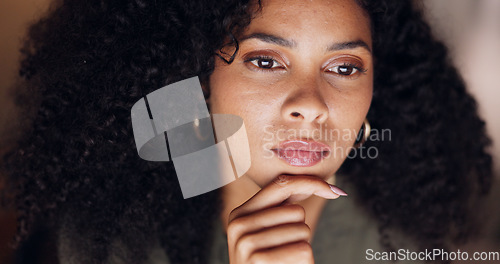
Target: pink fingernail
337 190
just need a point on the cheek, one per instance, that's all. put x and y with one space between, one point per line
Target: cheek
348 110
350 106
226 91
231 93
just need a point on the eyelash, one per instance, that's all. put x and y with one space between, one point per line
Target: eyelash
359 69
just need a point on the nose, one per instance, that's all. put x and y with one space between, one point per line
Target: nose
305 104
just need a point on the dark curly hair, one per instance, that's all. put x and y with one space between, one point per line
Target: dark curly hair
87 62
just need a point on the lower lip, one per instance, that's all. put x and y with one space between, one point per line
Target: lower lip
300 158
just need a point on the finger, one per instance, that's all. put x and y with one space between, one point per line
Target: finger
298 252
264 219
287 188
272 237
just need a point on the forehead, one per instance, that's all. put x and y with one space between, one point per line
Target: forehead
342 20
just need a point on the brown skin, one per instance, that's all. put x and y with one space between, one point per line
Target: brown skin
300 79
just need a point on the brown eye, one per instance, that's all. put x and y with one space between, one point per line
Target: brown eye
265 63
344 70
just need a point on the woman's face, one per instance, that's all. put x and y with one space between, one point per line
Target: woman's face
302 81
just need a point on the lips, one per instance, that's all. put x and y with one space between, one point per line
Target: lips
302 153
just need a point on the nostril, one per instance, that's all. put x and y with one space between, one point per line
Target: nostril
295 114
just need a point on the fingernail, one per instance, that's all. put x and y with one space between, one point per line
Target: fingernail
337 190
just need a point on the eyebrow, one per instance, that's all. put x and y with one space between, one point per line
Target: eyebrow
290 43
349 45
271 39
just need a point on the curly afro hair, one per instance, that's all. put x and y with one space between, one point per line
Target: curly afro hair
87 62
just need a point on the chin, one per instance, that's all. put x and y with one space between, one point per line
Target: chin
263 176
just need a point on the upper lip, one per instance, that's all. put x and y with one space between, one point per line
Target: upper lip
303 145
